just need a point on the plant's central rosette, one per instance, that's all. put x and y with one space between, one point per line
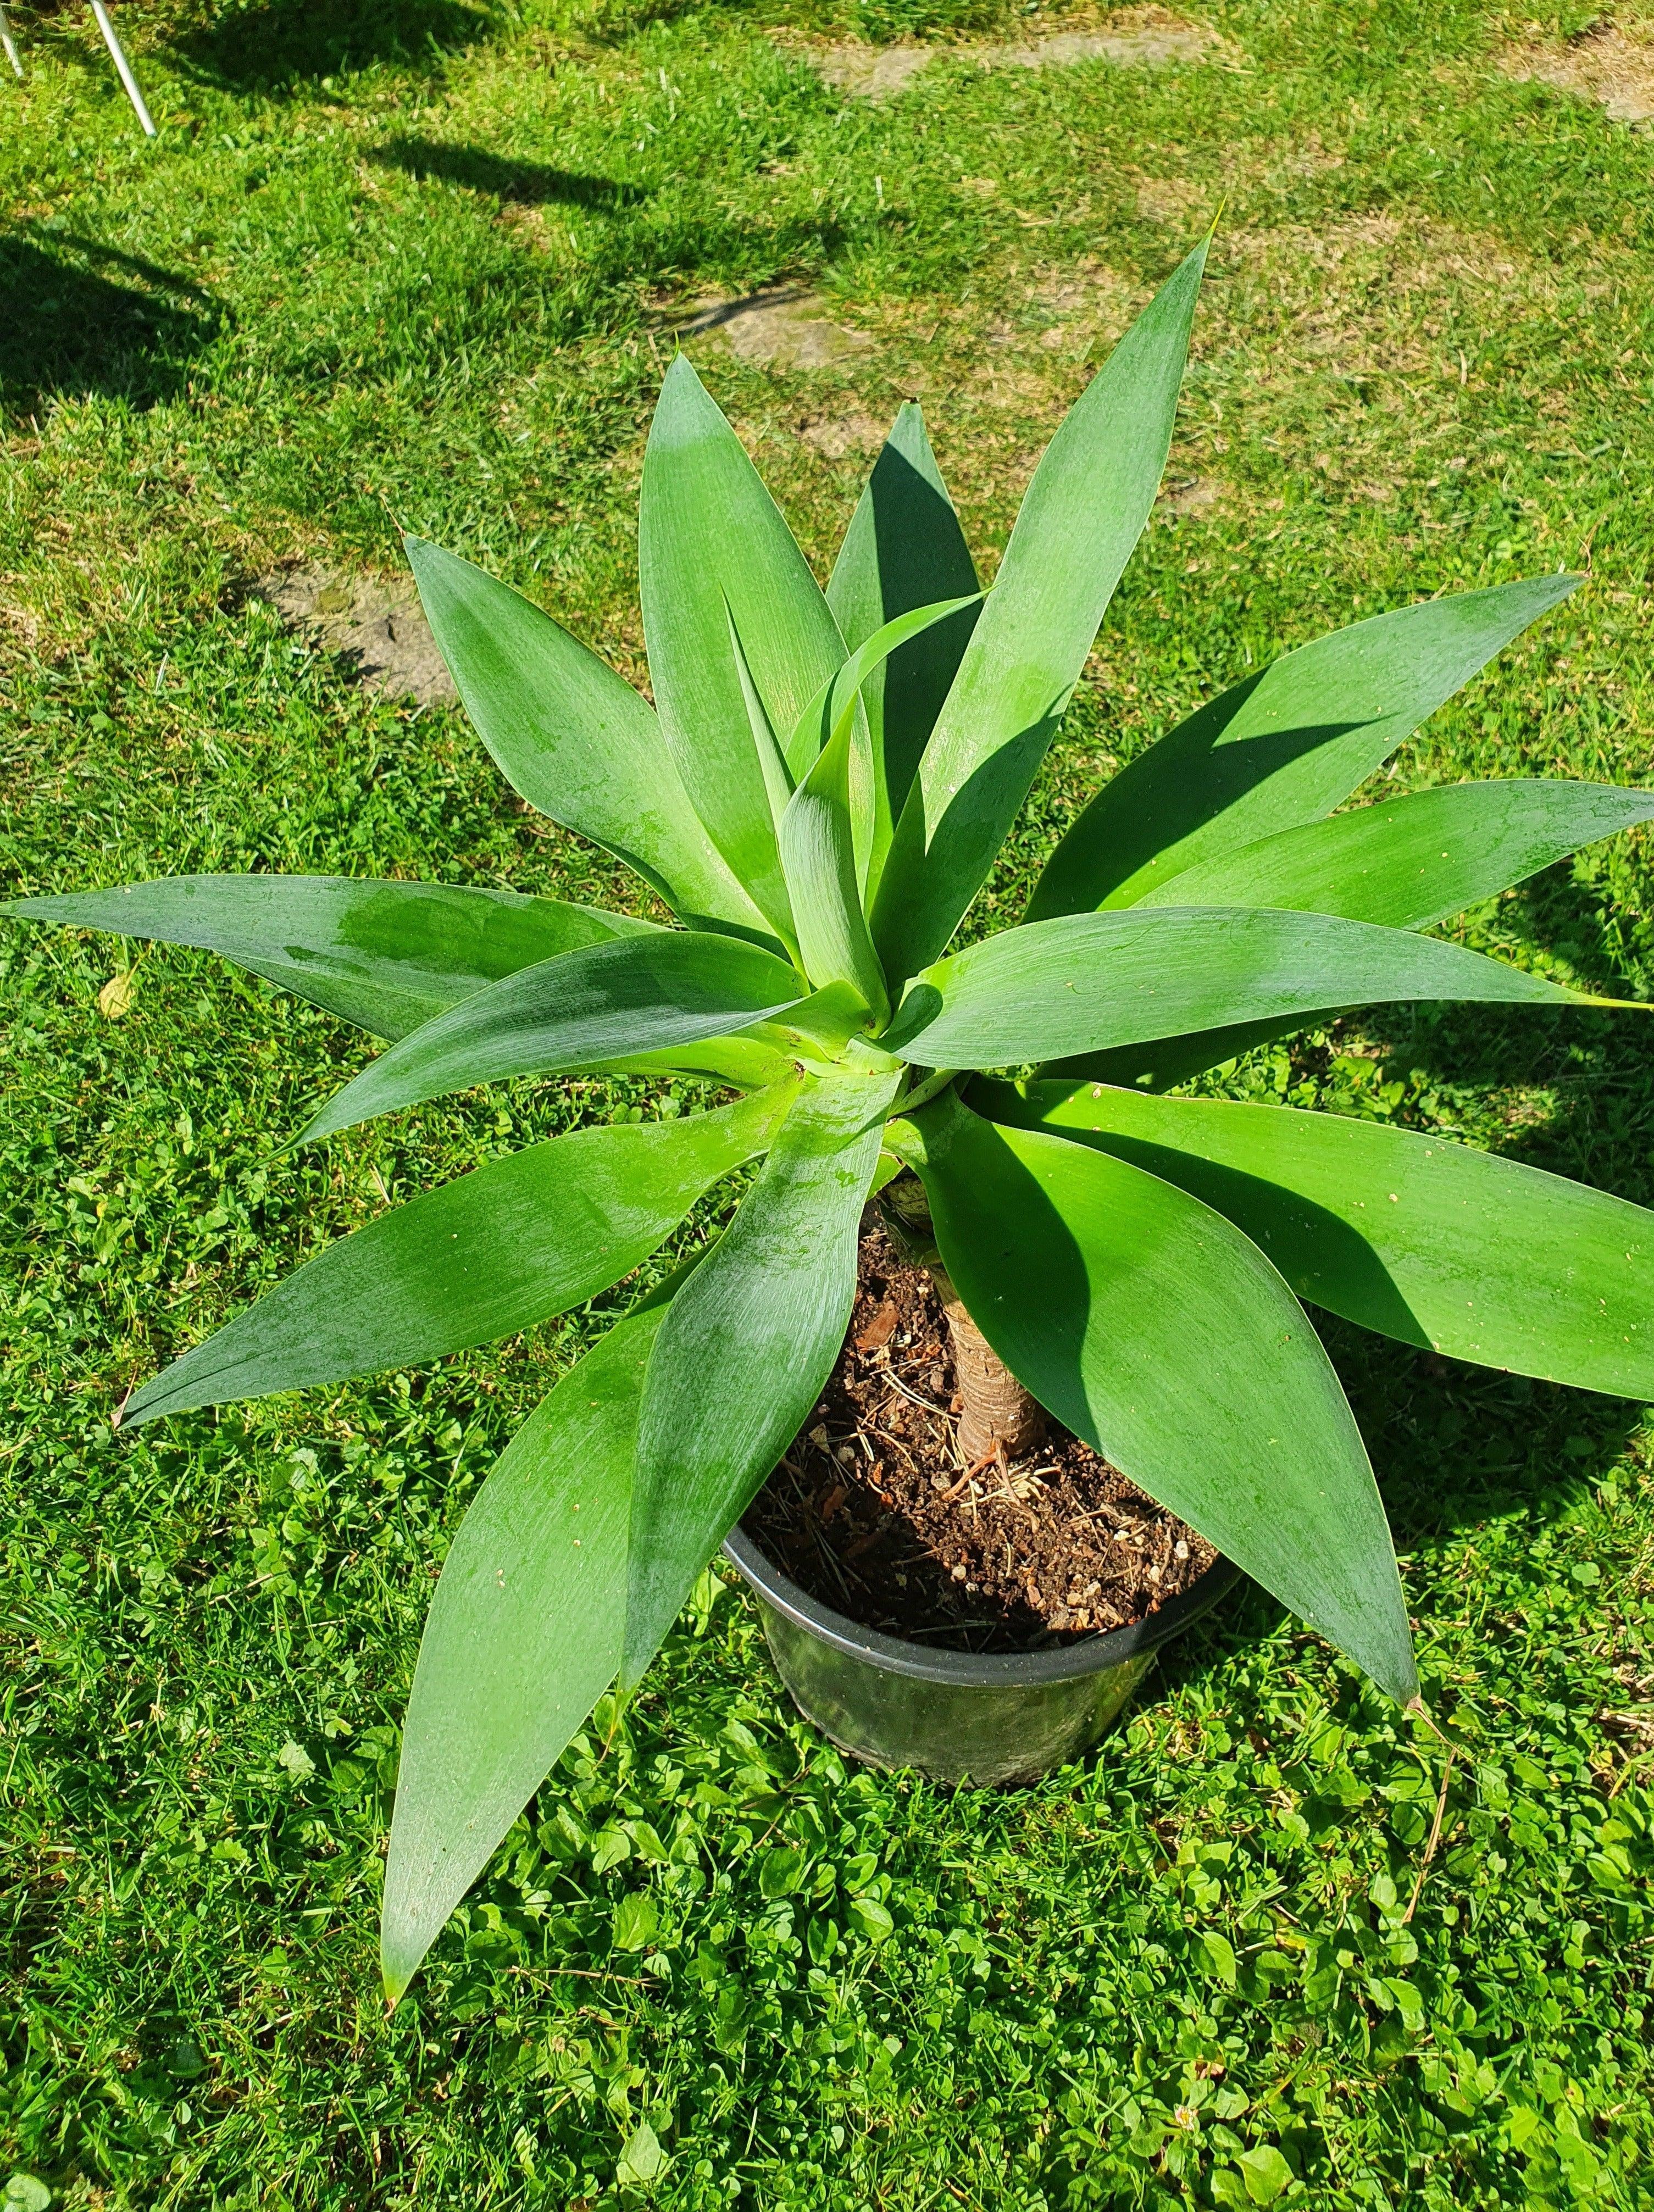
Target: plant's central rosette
816 799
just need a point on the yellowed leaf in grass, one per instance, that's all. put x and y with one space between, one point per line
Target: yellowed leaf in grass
115 999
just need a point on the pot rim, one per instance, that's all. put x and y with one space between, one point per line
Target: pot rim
895 1655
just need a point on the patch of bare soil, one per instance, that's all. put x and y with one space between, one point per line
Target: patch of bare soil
835 437
872 1512
1192 494
1130 38
1155 40
781 328
875 73
377 628
1614 67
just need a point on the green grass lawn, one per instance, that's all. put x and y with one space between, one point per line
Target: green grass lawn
416 262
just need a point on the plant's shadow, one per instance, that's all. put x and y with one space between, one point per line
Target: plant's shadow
532 183
1600 1062
1457 1447
82 319
270 43
1454 1448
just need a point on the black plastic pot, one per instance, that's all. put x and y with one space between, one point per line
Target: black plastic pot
953 1717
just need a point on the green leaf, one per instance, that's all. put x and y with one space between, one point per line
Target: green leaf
772 761
641 2161
747 1346
836 699
1282 747
1413 861
819 1032
1083 511
636 1916
1087 980
713 546
386 956
612 1846
573 738
870 1920
1158 1063
1163 1336
831 727
606 1002
746 1062
782 1871
1408 863
522 1639
817 849
1420 1239
1266 2173
475 1260
904 548
1219 1954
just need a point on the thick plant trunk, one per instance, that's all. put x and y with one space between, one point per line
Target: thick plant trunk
996 1413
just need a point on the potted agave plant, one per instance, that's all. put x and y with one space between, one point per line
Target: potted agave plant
816 796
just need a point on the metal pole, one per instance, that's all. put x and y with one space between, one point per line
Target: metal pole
9 44
123 66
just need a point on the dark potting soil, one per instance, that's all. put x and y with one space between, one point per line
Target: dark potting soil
874 1512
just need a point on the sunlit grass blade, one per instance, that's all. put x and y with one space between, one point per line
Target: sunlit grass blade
1084 982
746 1347
1412 1236
712 544
1083 512
1282 747
606 1003
386 956
480 1258
1163 1336
573 738
903 549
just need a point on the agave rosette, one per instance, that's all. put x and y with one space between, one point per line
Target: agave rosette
816 796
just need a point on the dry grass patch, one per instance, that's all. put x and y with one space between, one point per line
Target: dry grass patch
1612 66
1129 38
1374 295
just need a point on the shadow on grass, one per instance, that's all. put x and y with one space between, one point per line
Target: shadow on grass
1456 1448
268 43
82 319
1599 1061
530 182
